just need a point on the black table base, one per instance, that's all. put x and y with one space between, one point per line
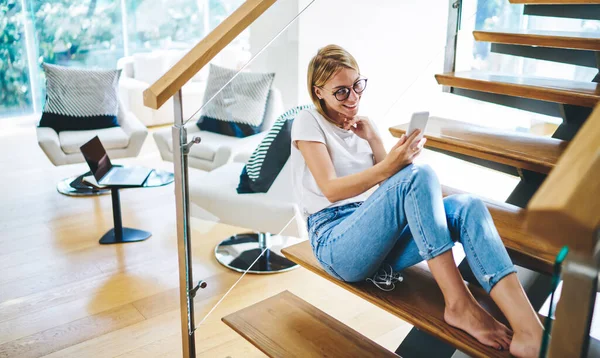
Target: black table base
120 234
127 235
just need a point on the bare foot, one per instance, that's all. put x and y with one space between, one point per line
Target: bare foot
526 344
471 318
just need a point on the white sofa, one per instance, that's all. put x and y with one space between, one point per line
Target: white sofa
141 70
120 142
216 149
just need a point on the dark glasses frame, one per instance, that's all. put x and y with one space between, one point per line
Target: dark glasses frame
343 93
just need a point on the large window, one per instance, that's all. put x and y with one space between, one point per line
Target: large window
90 34
164 23
82 33
173 23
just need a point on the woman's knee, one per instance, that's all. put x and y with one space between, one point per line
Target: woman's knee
417 174
464 205
467 213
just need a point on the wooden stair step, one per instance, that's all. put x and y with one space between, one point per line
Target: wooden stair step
287 326
521 150
555 2
416 300
525 249
558 39
578 93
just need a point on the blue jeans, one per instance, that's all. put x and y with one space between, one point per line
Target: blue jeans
404 222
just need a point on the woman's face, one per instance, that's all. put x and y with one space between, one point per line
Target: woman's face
341 82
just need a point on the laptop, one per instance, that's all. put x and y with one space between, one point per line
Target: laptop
107 174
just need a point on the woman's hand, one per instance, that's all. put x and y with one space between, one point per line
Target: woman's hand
361 126
403 153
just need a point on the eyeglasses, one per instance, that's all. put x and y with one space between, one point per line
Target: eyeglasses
343 93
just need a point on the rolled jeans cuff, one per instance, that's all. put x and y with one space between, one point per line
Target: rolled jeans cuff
436 251
489 281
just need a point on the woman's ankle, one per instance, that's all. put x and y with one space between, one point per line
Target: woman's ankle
529 329
459 304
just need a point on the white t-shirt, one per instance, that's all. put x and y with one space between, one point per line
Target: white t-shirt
349 154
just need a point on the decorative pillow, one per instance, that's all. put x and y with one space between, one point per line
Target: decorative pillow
270 156
80 99
239 109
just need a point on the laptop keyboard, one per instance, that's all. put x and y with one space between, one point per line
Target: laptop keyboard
119 176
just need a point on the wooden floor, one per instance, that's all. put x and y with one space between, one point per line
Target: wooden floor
64 295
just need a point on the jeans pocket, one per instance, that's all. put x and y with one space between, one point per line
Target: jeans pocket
317 222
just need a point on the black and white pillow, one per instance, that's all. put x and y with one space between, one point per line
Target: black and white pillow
239 109
270 156
80 99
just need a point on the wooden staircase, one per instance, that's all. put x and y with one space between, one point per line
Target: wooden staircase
418 299
586 94
287 326
521 150
560 216
556 39
524 249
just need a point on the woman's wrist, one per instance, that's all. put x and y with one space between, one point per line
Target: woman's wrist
375 139
383 171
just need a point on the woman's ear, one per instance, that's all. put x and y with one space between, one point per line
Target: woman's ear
318 92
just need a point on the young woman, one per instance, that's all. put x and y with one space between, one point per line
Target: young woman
337 156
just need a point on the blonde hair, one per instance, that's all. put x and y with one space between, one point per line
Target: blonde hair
326 63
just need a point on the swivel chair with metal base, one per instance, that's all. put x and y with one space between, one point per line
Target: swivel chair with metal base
63 148
266 213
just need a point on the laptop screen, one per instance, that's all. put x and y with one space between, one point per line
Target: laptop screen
96 157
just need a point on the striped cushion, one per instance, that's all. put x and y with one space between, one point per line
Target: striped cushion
239 109
80 99
270 156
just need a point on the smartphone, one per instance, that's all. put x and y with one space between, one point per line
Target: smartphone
418 121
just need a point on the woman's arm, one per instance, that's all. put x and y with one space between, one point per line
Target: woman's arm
362 127
378 149
335 189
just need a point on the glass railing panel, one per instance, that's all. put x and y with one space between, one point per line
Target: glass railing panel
400 69
243 90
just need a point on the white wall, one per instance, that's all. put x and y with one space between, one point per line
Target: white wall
397 43
280 55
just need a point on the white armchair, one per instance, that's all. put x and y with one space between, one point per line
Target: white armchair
268 213
120 142
216 149
143 69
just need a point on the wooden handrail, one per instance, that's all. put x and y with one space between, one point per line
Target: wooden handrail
199 56
566 208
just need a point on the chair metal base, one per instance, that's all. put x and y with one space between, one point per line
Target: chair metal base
64 187
239 251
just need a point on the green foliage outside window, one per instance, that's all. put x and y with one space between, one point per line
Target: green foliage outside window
14 77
